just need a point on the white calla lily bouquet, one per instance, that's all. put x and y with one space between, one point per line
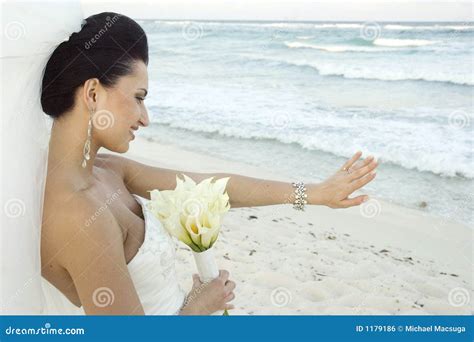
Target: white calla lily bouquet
193 214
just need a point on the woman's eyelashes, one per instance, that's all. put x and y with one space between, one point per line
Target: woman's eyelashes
140 99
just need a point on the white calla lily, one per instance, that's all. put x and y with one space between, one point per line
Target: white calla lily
173 226
192 212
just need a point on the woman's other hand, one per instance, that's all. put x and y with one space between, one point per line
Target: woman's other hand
334 191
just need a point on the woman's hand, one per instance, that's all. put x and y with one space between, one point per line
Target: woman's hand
334 191
205 299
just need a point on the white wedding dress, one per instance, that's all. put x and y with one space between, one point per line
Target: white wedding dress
152 270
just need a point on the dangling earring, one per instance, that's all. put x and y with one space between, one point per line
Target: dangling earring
87 146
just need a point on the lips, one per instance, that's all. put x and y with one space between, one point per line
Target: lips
134 128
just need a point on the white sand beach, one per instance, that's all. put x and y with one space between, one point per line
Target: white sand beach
378 258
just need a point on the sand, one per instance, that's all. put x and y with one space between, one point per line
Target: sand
378 258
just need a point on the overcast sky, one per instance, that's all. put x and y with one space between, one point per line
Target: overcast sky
288 10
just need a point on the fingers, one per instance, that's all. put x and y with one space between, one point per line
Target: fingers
223 275
350 202
361 164
229 286
364 170
229 297
359 183
196 279
351 161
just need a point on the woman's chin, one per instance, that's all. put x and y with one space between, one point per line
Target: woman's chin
120 148
124 147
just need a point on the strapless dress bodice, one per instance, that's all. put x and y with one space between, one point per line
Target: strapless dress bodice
152 270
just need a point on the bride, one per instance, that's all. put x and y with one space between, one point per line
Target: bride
99 250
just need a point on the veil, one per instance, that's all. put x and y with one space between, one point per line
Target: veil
30 33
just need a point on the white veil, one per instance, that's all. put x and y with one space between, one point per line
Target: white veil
30 33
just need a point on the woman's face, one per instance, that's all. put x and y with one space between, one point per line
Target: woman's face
121 110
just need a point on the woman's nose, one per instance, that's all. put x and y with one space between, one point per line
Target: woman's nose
144 119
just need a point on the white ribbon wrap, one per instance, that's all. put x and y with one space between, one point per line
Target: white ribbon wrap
206 265
207 268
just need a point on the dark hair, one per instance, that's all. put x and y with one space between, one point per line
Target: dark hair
105 48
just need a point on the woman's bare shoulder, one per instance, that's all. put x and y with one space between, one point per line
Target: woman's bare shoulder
78 226
92 253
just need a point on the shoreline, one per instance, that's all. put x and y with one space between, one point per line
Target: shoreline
427 192
380 258
236 167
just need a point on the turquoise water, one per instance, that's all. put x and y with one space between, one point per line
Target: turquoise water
303 97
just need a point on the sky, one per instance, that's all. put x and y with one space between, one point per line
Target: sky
288 10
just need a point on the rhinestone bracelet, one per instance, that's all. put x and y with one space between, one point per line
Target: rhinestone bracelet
300 196
185 302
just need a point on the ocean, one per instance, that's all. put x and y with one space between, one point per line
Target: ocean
301 97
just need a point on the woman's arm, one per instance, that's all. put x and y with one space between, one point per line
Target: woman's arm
246 191
94 257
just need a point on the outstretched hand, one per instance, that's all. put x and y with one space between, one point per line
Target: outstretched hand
334 191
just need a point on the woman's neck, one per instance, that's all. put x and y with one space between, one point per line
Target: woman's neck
66 146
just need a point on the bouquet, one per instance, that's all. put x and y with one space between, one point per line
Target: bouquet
193 213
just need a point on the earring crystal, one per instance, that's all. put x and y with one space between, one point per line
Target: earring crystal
87 146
